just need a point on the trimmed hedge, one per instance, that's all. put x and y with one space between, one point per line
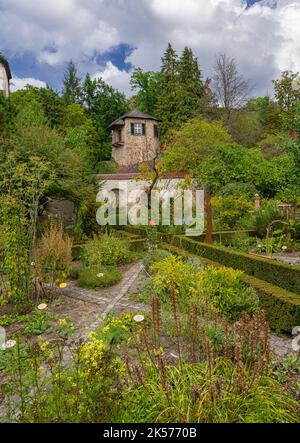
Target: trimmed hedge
224 237
279 274
282 307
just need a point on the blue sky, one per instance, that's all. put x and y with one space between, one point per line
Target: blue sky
109 37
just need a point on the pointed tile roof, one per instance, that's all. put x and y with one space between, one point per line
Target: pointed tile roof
134 113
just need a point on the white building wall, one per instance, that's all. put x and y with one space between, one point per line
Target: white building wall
4 84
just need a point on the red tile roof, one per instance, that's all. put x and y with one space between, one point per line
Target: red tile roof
136 175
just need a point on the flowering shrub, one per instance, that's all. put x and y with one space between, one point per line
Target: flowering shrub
91 354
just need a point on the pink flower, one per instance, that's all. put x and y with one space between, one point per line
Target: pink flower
152 223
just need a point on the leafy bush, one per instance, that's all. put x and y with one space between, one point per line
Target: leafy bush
101 277
261 219
224 288
173 273
276 273
153 256
107 251
48 390
227 211
237 190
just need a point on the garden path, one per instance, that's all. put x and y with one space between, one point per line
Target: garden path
116 299
110 299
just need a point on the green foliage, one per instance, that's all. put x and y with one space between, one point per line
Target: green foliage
245 126
104 105
268 113
53 255
184 94
71 85
238 190
261 219
280 274
172 274
15 272
227 211
148 87
282 307
273 145
154 256
51 103
224 288
107 250
98 277
80 392
233 163
265 402
38 322
190 144
288 97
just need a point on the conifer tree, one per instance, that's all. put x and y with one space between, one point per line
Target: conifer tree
71 85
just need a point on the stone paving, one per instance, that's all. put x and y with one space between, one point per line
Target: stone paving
116 299
110 299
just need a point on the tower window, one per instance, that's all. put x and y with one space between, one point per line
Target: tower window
138 129
156 131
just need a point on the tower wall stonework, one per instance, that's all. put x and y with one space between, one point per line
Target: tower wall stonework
135 148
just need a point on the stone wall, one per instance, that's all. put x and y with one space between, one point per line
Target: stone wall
136 148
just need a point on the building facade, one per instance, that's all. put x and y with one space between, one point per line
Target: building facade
135 139
5 76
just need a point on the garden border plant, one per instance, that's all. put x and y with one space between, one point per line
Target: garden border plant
282 307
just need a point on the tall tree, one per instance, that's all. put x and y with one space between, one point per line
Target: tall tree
231 89
287 94
104 104
148 86
183 90
71 85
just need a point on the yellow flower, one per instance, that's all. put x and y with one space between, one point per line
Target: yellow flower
63 285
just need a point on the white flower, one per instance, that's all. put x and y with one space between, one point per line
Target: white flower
284 248
259 246
32 263
9 344
138 318
100 275
42 306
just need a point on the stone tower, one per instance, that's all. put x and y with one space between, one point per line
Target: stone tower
135 138
5 76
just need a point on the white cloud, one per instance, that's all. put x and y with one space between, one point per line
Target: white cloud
113 76
263 40
20 83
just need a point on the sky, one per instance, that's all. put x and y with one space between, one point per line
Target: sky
108 38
